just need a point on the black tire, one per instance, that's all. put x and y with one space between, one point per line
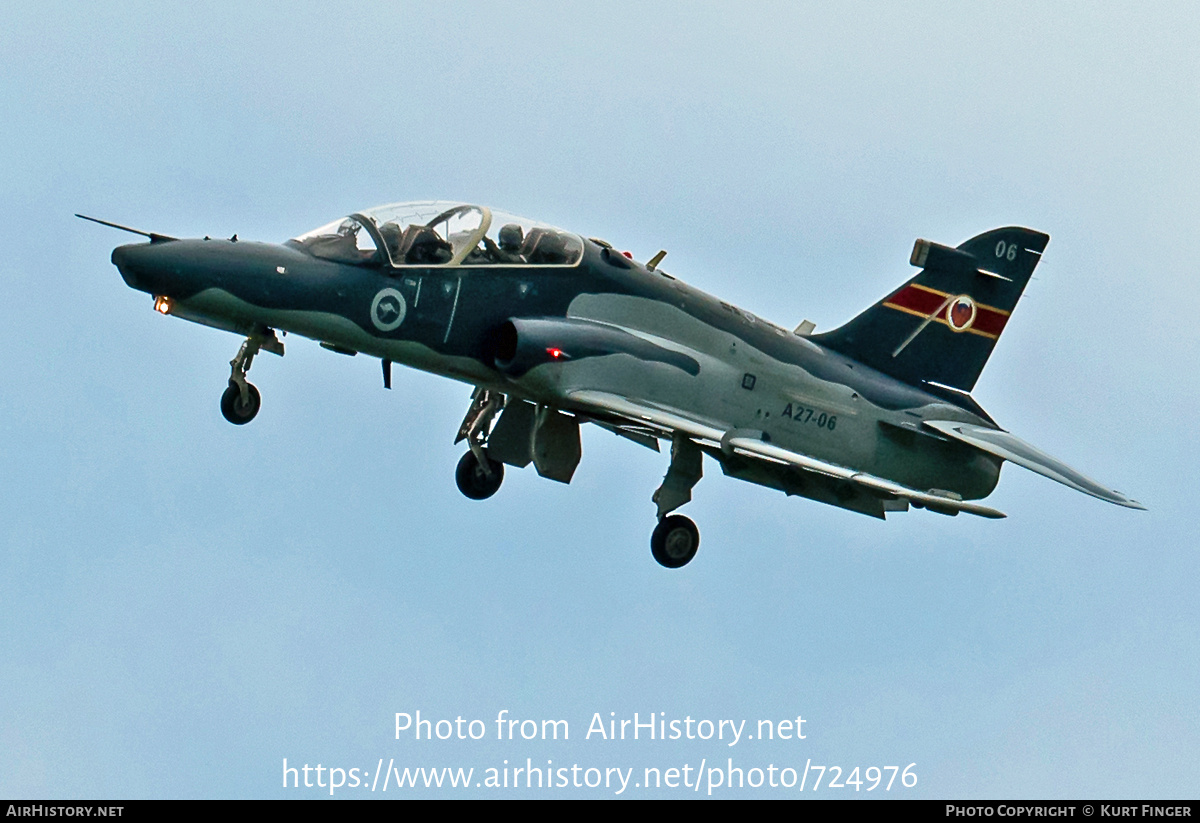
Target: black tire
237 412
473 481
674 541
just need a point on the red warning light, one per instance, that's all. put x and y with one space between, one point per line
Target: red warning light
628 254
555 353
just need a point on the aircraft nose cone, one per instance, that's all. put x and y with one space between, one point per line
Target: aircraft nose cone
125 259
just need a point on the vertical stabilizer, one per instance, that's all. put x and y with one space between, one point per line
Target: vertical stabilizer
942 325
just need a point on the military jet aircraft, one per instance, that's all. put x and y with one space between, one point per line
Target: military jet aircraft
555 330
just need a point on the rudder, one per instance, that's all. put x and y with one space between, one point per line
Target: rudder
942 325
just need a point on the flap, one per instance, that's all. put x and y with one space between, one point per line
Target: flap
737 441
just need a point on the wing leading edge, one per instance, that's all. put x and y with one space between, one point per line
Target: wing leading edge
1014 449
750 444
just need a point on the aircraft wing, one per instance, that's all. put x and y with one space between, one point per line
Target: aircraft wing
1014 449
749 444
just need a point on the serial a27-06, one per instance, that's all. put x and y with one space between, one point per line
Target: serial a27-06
555 330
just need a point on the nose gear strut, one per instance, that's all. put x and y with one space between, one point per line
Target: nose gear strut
241 400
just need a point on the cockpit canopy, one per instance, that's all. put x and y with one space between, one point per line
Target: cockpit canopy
440 233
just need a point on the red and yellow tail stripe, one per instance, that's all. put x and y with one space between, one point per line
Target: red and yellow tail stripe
922 301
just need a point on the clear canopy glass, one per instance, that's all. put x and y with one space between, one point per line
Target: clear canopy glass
440 233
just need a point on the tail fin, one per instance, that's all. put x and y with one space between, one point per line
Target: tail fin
942 325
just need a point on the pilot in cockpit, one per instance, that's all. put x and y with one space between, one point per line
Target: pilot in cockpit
425 246
512 236
392 236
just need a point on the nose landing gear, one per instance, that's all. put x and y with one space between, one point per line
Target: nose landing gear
242 400
240 404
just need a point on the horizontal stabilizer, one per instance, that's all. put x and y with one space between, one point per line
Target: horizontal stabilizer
1015 450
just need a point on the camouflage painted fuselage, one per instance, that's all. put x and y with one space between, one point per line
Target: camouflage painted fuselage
605 324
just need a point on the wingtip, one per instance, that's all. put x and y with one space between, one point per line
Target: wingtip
1122 500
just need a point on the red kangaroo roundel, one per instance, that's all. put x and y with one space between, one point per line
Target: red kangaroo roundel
960 315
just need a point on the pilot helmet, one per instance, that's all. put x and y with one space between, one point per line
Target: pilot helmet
511 237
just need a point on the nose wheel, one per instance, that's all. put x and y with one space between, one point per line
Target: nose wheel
238 408
241 400
674 541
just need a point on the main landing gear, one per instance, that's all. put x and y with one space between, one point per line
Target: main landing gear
675 539
241 400
518 440
476 481
478 475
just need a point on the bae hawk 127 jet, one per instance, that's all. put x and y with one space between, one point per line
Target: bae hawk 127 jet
555 330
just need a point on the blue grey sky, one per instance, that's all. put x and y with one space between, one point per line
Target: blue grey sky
184 604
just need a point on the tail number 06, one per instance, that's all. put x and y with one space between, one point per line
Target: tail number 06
1006 251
